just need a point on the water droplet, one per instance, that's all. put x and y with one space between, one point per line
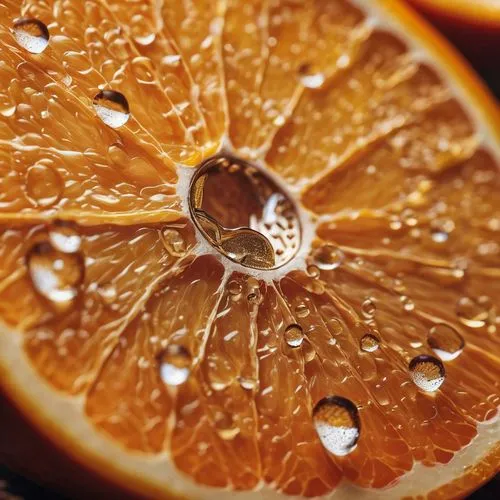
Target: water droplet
310 78
368 308
175 365
313 272
328 257
248 384
308 351
408 304
294 335
173 241
107 293
369 343
470 313
146 39
439 236
44 186
225 426
57 276
445 341
234 288
336 420
302 311
253 296
427 372
335 326
112 108
64 237
32 35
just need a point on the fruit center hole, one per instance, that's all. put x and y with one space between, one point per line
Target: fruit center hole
243 213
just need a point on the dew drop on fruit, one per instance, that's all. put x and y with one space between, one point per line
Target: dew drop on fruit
427 372
175 365
64 237
328 257
408 304
439 236
308 351
112 108
57 276
234 288
173 241
249 384
445 341
368 308
108 293
470 313
32 35
310 78
302 311
294 335
369 343
145 40
336 420
313 271
44 185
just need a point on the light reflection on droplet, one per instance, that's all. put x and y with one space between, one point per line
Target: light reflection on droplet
427 372
112 108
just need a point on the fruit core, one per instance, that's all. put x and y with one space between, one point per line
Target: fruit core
243 213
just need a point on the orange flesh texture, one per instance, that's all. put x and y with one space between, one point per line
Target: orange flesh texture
382 144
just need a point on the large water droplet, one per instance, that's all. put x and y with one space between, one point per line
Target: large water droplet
64 237
173 241
427 372
175 365
32 35
337 423
328 257
470 313
369 343
44 186
311 78
112 108
294 335
445 341
57 276
234 288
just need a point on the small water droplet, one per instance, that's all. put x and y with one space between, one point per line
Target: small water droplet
32 35
368 308
445 341
248 384
308 351
294 335
335 326
313 272
57 276
439 236
328 257
310 78
64 237
302 311
175 365
234 288
336 420
408 304
470 313
107 293
253 296
44 186
173 241
146 39
427 372
112 108
369 343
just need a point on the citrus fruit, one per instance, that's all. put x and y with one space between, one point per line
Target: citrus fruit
473 26
250 248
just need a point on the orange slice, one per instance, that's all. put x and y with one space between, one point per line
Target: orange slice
473 26
249 248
